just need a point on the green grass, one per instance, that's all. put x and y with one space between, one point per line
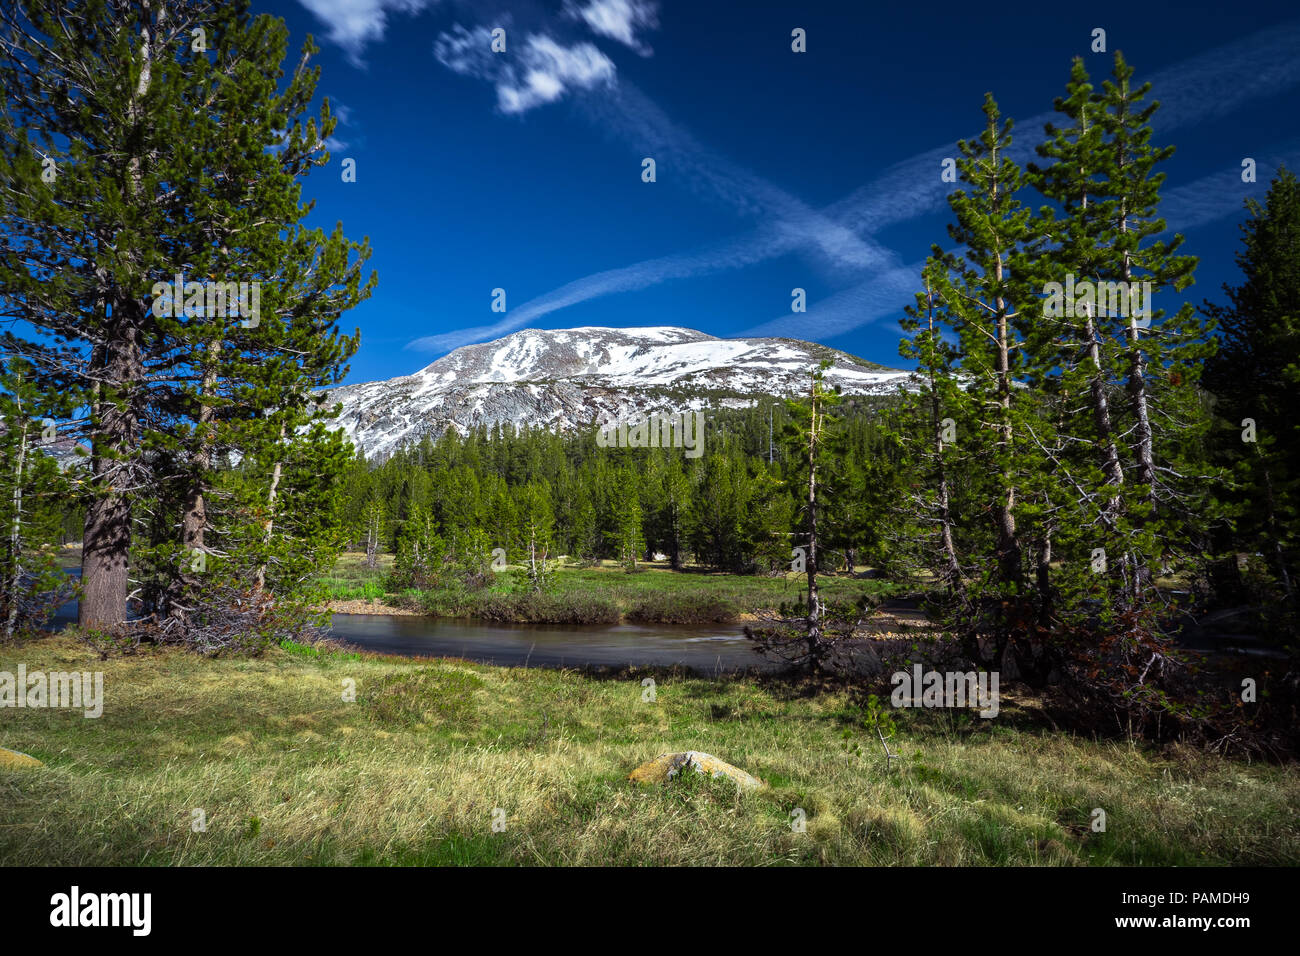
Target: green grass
747 593
653 594
351 580
410 772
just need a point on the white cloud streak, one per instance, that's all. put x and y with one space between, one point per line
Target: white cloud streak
1183 208
549 70
541 72
1259 65
353 24
619 20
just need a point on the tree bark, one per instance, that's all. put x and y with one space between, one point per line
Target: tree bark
1101 420
952 567
15 581
106 545
814 598
372 538
269 525
194 518
1009 559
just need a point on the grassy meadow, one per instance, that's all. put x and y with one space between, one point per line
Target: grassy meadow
288 772
599 593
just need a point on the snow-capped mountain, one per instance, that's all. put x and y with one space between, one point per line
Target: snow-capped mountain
570 378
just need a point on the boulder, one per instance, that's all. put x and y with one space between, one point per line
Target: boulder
665 767
12 758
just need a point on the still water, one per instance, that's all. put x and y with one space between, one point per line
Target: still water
707 648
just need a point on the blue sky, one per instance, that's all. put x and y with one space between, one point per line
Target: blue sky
775 169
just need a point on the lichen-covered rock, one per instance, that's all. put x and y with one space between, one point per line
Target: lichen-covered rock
12 758
666 767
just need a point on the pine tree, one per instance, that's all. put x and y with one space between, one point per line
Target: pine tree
716 515
536 527
32 493
1069 364
1156 354
929 437
166 150
373 523
984 295
811 439
626 530
421 554
1254 378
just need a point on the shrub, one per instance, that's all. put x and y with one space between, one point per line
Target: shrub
662 607
569 608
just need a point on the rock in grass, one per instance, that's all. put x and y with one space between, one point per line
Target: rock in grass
12 758
665 767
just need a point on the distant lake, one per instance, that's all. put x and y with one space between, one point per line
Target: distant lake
706 648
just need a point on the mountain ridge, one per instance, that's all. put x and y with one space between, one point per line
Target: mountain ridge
571 378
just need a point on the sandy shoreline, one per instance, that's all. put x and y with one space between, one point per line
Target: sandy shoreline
883 626
369 607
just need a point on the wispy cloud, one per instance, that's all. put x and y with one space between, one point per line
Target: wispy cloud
1221 194
789 224
548 70
881 296
1258 65
1183 208
628 115
633 118
737 253
541 72
353 24
619 20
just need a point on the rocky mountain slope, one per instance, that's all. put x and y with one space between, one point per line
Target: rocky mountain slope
569 378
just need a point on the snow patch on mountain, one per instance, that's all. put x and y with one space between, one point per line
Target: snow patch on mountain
572 378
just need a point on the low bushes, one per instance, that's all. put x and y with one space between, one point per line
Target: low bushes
541 608
518 608
664 607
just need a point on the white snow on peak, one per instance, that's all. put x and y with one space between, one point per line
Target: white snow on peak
562 378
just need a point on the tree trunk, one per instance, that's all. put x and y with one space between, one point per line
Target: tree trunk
106 545
1044 581
1101 420
269 525
194 518
1008 545
15 581
1145 471
814 599
532 559
1111 467
952 567
372 539
194 522
1279 552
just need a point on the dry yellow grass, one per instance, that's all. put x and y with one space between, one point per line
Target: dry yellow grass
448 762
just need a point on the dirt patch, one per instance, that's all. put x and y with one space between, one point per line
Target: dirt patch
368 607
